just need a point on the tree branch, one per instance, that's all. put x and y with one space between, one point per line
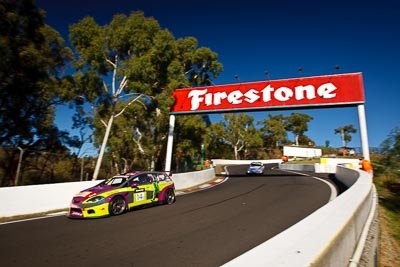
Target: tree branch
141 150
123 110
105 87
104 123
112 63
122 85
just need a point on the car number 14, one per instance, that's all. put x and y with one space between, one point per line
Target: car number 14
139 196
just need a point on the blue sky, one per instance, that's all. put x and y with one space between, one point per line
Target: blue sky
252 37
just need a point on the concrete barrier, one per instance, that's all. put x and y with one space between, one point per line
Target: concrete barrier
328 165
324 168
297 167
347 162
242 162
32 199
190 179
329 236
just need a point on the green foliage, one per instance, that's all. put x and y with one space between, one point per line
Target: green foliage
297 123
327 143
391 148
387 179
345 132
387 163
237 131
216 148
40 167
31 85
127 70
328 150
388 187
274 130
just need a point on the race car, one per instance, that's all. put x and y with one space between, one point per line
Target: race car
255 168
120 193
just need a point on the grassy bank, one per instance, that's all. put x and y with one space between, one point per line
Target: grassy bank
388 187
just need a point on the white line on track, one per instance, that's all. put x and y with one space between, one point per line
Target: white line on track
63 213
333 189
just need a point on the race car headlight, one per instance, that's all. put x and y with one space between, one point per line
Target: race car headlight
95 199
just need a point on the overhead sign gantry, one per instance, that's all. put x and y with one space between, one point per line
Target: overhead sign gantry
298 93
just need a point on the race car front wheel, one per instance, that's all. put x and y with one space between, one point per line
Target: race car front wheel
117 206
169 197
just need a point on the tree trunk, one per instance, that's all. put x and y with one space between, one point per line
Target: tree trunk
236 152
103 147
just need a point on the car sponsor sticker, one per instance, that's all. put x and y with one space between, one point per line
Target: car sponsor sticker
84 194
76 213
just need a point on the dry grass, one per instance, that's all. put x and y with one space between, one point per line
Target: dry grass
389 217
389 247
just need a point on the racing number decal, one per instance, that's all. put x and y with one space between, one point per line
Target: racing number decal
139 196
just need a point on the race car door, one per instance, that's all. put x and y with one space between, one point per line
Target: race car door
145 190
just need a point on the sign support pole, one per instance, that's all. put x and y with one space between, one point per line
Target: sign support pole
170 143
363 131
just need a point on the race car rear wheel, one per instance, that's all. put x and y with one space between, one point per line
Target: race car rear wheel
117 206
169 197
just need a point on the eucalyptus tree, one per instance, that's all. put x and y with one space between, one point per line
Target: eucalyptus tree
238 131
297 123
33 58
215 147
191 133
132 62
345 133
391 149
273 130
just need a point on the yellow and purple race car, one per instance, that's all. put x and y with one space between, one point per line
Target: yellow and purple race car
122 192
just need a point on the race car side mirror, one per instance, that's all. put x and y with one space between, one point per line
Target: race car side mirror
134 185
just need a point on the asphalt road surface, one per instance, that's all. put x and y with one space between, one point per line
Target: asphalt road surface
206 228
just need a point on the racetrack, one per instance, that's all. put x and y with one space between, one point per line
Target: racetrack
206 228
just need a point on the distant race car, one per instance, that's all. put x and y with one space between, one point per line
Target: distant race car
122 192
255 168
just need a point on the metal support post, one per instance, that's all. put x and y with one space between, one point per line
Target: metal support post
363 131
170 143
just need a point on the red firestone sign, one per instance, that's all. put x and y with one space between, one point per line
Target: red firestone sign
308 92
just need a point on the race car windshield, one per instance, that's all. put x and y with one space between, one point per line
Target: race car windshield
256 164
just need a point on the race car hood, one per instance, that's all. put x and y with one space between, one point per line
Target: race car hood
100 188
94 191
